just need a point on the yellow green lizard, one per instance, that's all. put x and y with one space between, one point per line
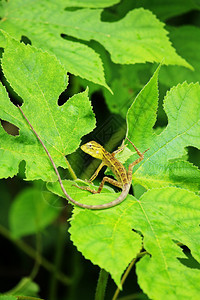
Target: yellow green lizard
124 177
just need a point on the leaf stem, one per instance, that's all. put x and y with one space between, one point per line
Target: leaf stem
57 260
71 171
19 288
127 272
101 285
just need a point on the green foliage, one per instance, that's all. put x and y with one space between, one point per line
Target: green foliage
157 226
106 231
187 40
174 216
90 3
138 37
158 171
160 167
34 208
162 217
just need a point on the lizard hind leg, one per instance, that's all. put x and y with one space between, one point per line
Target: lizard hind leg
109 180
105 179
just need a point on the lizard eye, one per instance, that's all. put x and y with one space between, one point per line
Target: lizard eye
89 146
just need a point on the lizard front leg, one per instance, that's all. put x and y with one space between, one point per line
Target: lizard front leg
120 149
141 157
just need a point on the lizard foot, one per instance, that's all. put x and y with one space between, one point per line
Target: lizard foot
86 188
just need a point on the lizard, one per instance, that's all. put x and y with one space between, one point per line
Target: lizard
124 177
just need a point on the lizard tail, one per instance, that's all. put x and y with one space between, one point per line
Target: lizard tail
115 202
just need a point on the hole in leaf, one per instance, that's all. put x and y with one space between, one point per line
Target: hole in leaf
10 128
190 261
25 40
73 8
194 156
69 38
117 12
162 119
14 97
22 169
75 39
139 190
64 96
70 90
139 232
1 52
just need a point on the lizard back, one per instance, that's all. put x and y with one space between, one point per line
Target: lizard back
116 167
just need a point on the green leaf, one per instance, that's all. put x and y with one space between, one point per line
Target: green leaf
126 38
161 216
138 37
141 115
107 239
90 3
184 174
186 40
45 30
32 211
73 191
172 216
182 107
39 82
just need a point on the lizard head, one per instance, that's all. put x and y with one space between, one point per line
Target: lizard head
94 149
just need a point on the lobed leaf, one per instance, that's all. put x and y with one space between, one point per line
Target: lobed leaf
40 80
39 22
105 237
182 107
162 217
172 216
138 37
